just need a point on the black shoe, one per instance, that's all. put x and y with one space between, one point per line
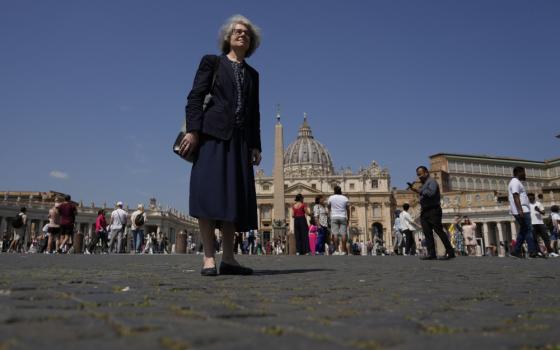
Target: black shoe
227 269
209 271
429 257
537 255
447 256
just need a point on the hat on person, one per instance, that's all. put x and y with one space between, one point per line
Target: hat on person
119 204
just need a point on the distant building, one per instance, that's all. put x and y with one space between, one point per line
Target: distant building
476 186
306 167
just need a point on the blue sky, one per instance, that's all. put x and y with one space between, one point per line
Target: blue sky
92 93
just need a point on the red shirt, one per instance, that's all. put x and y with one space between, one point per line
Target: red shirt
100 223
67 212
299 211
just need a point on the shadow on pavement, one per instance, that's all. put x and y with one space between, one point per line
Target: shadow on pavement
286 272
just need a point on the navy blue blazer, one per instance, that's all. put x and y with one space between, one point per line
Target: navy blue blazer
219 117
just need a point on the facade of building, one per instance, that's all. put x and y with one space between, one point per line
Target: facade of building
476 186
168 221
307 168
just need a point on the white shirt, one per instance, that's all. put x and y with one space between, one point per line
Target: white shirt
406 221
536 217
338 205
555 220
515 186
118 219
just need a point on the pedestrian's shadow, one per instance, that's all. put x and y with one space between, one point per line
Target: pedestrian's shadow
286 272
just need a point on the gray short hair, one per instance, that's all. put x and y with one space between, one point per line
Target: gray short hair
227 28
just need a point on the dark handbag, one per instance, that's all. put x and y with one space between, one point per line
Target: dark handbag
191 156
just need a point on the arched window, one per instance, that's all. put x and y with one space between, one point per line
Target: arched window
478 184
470 184
502 185
462 184
454 183
486 184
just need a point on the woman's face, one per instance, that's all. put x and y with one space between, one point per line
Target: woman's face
240 37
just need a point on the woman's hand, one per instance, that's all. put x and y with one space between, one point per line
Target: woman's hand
256 156
188 144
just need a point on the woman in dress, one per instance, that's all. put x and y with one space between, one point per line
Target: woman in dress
312 236
224 133
299 212
469 234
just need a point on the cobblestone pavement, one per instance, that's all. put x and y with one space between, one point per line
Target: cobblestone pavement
339 302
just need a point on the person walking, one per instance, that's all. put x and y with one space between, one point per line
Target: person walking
137 221
301 229
539 228
520 209
251 242
408 226
312 236
397 248
118 222
431 214
68 212
469 235
225 137
321 216
20 230
53 227
100 233
339 210
555 219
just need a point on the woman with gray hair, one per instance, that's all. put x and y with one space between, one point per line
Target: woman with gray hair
223 134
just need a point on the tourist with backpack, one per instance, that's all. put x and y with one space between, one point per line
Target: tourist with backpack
138 220
19 223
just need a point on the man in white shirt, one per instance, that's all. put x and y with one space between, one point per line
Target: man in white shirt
339 210
137 221
407 227
521 211
539 228
118 222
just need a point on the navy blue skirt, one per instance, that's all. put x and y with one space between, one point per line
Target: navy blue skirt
222 185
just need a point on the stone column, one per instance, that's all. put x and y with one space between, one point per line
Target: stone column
486 239
3 225
501 248
513 230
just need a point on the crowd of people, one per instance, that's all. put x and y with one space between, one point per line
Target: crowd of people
59 236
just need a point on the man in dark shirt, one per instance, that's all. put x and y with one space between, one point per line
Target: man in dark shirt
431 214
68 211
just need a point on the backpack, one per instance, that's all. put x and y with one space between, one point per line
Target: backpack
139 219
18 221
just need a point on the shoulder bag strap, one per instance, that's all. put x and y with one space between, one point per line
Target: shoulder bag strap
215 73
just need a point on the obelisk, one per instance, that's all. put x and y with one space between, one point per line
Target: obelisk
279 209
279 206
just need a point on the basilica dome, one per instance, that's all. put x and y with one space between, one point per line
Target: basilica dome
307 156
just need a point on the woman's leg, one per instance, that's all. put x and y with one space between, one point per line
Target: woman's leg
228 233
207 227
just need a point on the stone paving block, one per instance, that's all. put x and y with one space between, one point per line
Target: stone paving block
339 302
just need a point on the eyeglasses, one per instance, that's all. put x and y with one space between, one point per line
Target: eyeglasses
238 32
